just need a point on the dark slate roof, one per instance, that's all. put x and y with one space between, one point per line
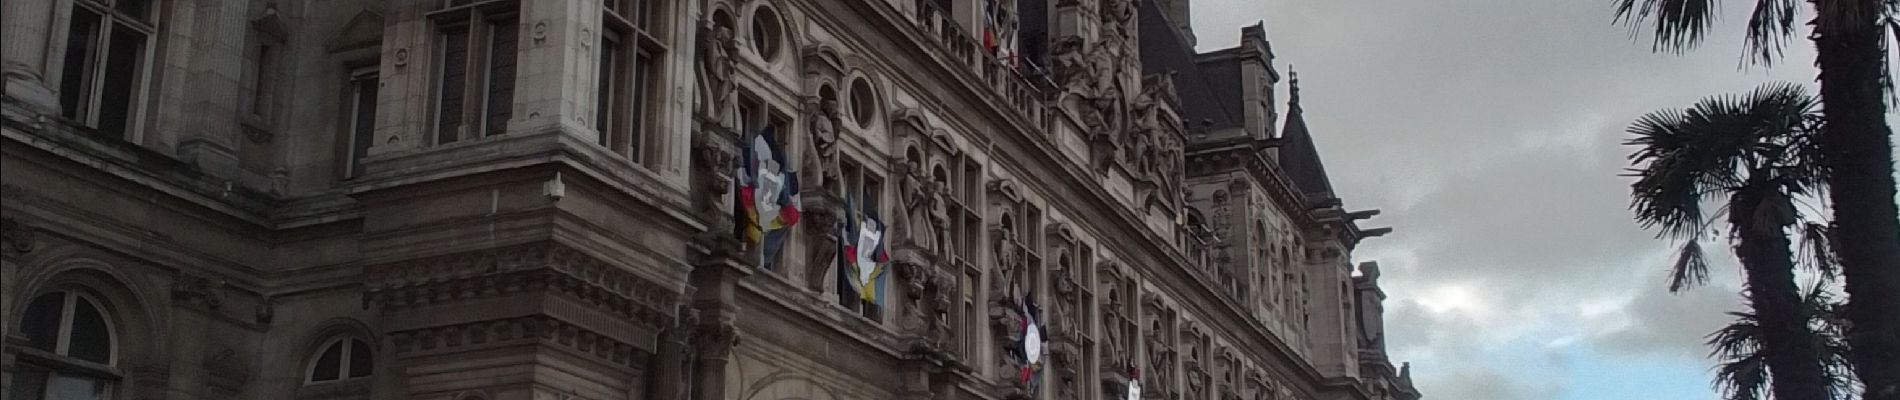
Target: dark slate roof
1299 158
1199 88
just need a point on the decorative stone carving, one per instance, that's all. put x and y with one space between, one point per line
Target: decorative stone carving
541 266
718 50
541 328
922 202
190 289
1071 64
1116 347
821 221
17 236
1012 276
226 371
821 152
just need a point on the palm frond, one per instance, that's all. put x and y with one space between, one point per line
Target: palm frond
1691 269
1679 25
1743 378
1712 148
1742 371
1817 249
1770 27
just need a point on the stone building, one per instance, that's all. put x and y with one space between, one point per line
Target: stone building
529 199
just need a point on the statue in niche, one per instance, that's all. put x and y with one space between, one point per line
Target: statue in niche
821 156
1158 357
939 212
918 196
1114 355
1009 260
717 48
1063 323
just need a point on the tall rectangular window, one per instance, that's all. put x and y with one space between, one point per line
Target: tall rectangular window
362 119
864 191
630 44
453 76
263 81
104 64
477 52
500 73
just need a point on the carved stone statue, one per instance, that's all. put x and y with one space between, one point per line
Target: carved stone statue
940 213
918 195
1009 260
1071 64
717 49
1062 319
1114 350
821 155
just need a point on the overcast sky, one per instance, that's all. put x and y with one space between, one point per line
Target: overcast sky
1489 132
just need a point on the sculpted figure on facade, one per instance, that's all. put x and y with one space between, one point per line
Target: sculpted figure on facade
1011 276
939 213
1144 136
1118 18
1115 357
918 198
1071 64
821 152
1159 359
717 49
1062 319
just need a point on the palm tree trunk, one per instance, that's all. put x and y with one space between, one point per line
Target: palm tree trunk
1788 343
1858 147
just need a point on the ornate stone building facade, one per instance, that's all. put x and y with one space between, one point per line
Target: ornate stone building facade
528 199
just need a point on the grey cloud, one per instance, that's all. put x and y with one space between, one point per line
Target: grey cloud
1489 131
1673 325
1490 384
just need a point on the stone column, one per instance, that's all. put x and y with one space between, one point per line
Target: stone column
27 29
212 86
715 282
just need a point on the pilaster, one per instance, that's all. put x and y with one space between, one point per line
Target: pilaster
715 280
26 27
555 83
209 137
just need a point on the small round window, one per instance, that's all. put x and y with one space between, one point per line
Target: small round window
766 33
863 103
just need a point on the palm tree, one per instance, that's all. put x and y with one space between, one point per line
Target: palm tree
1743 371
1850 51
1758 152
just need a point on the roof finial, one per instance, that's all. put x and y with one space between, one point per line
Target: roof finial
1293 85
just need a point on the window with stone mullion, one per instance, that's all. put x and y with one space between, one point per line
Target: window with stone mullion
628 75
477 52
104 63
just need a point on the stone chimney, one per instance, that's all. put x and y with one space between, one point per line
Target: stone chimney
1259 78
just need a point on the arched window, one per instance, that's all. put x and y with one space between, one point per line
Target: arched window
341 359
70 344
